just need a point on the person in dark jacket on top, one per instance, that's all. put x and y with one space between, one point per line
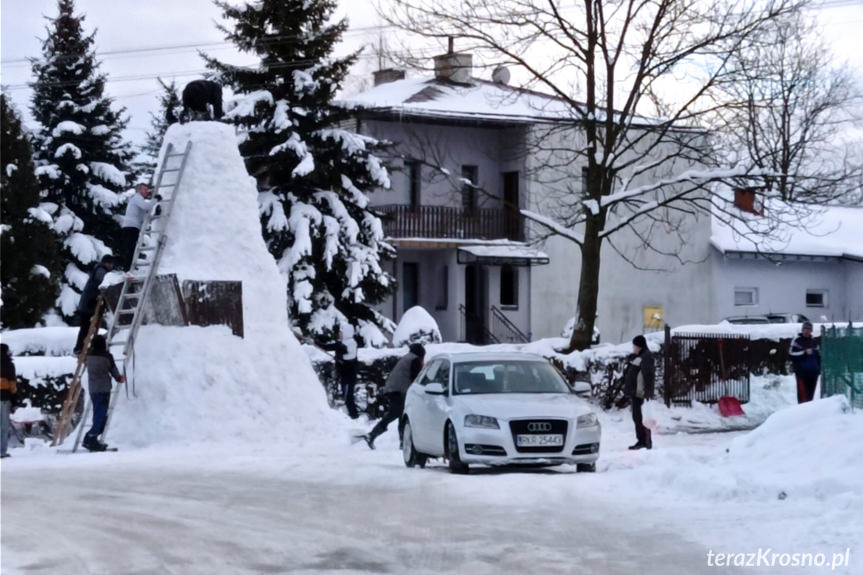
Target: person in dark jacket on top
346 364
87 303
400 378
806 356
8 395
100 369
638 382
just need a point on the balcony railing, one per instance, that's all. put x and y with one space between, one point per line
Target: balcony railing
403 221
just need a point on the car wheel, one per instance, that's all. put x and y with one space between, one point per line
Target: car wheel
586 467
455 463
411 456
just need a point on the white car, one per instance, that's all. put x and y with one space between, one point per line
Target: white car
496 409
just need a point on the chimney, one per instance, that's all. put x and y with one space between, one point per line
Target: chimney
452 67
388 75
744 200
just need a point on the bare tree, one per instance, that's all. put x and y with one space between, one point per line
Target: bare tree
634 82
785 112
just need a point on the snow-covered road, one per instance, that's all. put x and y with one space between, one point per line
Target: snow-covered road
129 518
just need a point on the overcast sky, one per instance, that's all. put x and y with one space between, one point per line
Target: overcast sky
160 37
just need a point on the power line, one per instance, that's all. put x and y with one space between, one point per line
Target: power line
279 39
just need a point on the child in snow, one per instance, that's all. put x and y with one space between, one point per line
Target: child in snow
100 369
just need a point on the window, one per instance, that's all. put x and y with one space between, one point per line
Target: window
415 174
468 191
443 289
508 286
428 375
410 285
745 296
816 298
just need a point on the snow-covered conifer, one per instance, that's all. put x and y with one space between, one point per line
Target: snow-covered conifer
313 175
81 157
29 253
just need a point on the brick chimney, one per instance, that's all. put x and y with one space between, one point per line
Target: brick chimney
388 75
744 200
452 67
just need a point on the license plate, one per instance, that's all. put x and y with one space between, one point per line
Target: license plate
538 440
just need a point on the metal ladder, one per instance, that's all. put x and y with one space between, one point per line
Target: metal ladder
128 314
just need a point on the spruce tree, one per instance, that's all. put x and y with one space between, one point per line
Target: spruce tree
313 177
169 113
82 160
29 271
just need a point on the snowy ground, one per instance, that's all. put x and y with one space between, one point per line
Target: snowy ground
335 507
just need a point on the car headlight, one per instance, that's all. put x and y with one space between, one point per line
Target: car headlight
588 420
483 421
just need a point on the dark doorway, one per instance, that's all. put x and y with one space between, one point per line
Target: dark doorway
511 205
410 285
476 304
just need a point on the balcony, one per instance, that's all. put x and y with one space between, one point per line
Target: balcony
404 221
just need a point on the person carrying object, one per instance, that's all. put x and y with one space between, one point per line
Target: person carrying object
87 303
400 378
638 383
8 395
100 369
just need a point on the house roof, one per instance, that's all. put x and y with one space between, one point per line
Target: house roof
829 231
479 100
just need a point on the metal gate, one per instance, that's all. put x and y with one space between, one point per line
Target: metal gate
842 363
704 367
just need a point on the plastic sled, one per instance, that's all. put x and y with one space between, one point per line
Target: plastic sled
730 406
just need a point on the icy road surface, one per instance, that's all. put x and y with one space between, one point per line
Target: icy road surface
135 519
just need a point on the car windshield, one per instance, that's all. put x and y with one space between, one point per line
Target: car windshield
507 376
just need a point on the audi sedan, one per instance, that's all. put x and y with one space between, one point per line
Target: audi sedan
496 409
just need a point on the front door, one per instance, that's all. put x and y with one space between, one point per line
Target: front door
475 303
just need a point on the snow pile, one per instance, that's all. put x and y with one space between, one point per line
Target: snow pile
810 450
204 383
416 326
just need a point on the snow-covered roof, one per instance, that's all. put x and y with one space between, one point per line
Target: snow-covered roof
832 231
479 100
510 252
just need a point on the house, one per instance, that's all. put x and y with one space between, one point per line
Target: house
808 262
462 169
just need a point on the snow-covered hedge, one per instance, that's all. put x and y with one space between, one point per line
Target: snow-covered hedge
416 326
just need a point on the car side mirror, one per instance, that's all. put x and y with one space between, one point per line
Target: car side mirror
435 389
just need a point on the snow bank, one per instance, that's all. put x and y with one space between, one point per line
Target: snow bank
416 326
41 340
204 384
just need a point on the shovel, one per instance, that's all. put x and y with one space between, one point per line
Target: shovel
729 406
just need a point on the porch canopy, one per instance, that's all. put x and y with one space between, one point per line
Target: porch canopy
512 254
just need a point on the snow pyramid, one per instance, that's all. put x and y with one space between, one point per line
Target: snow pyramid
203 383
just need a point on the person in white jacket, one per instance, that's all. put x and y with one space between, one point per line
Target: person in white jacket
136 210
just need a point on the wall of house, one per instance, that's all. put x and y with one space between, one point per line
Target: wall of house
853 290
443 308
671 275
782 287
492 150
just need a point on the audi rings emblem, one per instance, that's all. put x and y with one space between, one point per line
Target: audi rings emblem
538 426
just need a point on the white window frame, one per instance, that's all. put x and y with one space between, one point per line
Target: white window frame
822 292
753 293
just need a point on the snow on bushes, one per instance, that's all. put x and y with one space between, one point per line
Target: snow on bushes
416 326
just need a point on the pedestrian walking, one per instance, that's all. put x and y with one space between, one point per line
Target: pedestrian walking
806 357
638 383
8 395
400 378
100 369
